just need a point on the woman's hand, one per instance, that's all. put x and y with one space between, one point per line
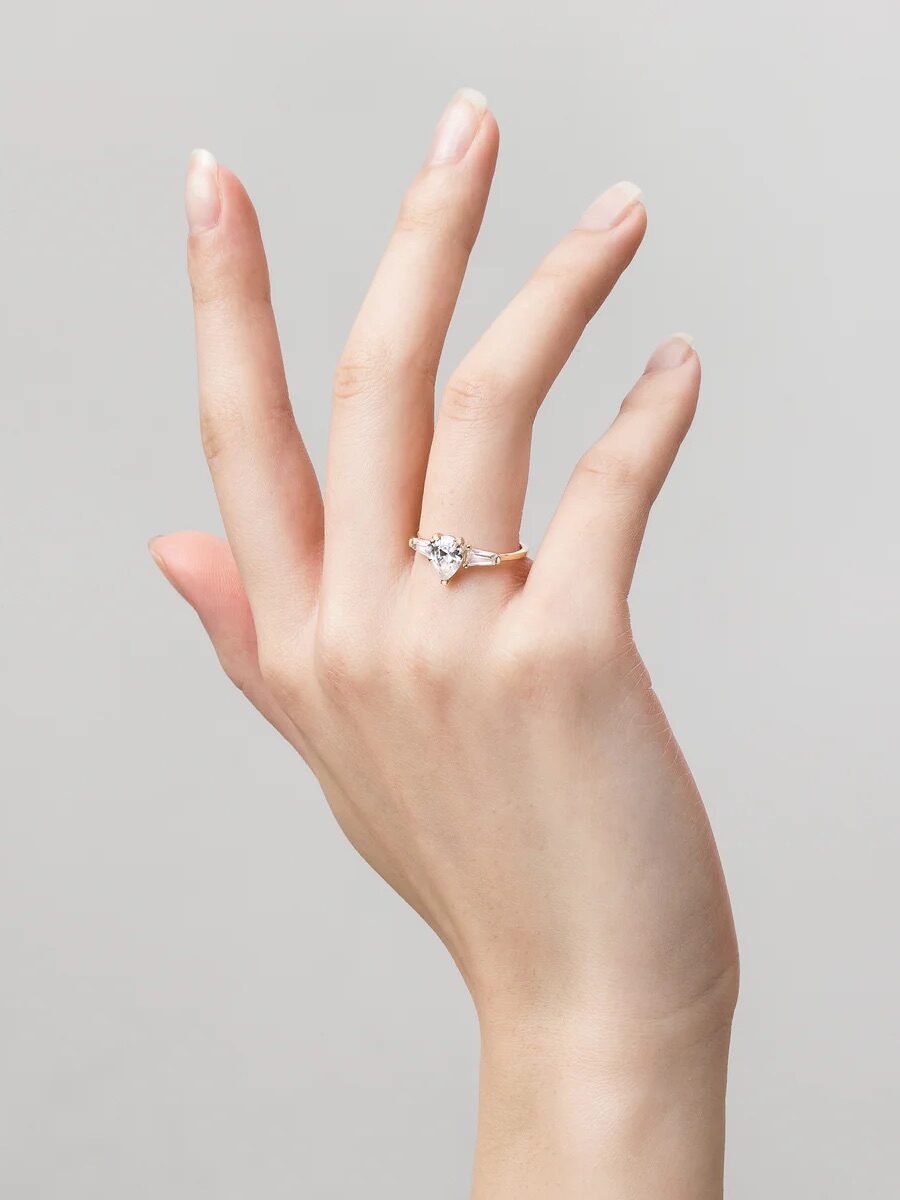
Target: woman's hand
493 747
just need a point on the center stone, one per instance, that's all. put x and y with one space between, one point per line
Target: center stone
446 555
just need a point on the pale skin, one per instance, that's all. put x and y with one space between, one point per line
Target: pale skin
493 748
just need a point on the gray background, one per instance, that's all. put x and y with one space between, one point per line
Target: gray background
203 992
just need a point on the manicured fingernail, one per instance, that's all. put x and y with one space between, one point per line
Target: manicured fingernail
201 192
457 127
612 207
674 351
157 557
163 565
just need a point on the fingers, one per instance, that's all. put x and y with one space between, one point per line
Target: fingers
201 569
265 484
478 469
588 557
384 387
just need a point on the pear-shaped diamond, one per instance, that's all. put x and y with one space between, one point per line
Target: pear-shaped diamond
447 555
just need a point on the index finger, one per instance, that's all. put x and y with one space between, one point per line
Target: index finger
265 484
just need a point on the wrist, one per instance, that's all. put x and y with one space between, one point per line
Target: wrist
566 1114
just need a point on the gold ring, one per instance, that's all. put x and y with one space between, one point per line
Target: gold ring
449 554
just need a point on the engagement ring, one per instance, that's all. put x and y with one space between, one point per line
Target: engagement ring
448 554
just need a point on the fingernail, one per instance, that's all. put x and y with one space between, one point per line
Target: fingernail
612 207
157 557
674 351
457 127
201 192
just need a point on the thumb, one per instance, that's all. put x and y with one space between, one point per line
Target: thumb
202 569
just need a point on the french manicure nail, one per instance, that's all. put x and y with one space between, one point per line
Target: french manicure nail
457 127
201 192
612 207
674 351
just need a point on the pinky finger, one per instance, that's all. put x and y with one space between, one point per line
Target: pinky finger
201 568
588 557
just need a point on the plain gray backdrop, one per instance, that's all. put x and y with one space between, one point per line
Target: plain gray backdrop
203 991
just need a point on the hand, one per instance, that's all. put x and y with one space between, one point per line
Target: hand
494 747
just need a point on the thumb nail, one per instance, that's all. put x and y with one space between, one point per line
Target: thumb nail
157 557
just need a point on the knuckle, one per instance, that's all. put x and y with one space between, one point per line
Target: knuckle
208 282
474 397
543 656
571 286
277 670
584 298
344 666
225 422
334 666
616 474
535 658
428 213
217 431
419 214
432 663
560 279
669 406
358 376
220 278
516 659
531 672
210 290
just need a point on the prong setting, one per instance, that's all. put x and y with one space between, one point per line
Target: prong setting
448 555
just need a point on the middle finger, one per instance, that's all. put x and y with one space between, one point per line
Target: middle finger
382 418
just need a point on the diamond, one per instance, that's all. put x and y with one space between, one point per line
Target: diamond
482 558
447 556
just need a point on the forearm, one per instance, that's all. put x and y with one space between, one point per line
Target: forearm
561 1120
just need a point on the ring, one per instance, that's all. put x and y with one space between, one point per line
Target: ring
448 554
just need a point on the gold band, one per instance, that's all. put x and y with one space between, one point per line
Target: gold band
512 555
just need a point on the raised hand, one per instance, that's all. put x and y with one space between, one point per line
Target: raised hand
493 747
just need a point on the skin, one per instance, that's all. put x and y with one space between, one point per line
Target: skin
493 748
